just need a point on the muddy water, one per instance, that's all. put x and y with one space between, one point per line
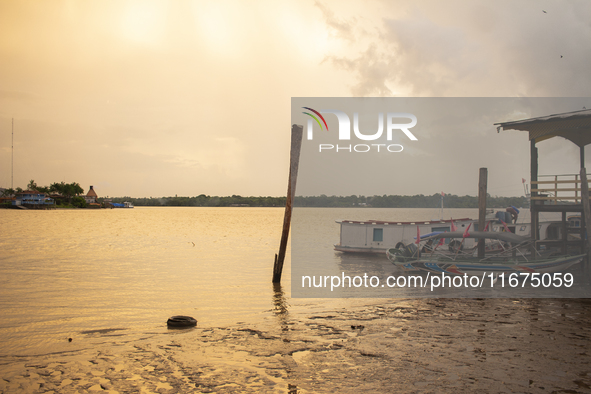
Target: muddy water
109 279
432 346
67 271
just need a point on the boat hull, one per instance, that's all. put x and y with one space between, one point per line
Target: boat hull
484 268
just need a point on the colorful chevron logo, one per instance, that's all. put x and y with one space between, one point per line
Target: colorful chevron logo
315 118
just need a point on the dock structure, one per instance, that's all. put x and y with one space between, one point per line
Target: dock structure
558 193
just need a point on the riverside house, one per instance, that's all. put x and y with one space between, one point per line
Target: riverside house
33 199
90 199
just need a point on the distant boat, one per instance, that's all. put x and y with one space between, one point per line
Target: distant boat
125 204
513 260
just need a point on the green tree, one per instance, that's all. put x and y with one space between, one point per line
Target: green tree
67 190
78 202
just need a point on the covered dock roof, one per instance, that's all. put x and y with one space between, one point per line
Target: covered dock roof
574 126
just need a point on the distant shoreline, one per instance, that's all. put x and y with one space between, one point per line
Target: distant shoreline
323 201
434 201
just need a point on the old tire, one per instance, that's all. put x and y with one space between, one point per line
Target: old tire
181 322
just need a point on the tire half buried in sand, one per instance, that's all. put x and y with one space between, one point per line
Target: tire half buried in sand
181 322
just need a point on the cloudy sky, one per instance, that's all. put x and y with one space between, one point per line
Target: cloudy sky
157 98
455 136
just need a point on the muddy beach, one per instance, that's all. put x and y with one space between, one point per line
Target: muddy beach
434 345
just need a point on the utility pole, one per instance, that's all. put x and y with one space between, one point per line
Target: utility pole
12 163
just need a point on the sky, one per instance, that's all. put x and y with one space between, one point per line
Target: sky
161 98
452 139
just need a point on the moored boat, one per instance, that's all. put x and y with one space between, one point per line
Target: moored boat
513 259
377 236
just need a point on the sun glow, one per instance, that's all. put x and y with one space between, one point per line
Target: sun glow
143 22
223 26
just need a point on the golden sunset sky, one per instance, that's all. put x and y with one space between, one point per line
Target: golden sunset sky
157 98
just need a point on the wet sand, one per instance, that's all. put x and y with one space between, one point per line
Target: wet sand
423 346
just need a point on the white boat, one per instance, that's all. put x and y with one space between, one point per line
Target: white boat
376 236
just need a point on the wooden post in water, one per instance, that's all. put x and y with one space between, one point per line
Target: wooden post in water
294 160
482 186
586 209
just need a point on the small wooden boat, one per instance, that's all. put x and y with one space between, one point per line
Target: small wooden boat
514 257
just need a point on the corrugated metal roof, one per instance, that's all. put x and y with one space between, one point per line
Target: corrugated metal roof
574 126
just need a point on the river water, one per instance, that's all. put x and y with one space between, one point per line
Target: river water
63 272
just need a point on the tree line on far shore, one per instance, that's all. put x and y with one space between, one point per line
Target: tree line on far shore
67 190
385 201
72 192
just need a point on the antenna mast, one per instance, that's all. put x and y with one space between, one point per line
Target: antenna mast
12 163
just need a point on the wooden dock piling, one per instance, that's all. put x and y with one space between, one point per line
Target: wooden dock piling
586 223
297 132
482 186
586 208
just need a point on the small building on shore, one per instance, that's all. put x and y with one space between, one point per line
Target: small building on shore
91 199
91 196
33 199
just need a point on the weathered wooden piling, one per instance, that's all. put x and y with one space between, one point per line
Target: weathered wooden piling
294 160
586 208
482 186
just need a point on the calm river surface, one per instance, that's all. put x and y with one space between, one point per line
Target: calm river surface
63 272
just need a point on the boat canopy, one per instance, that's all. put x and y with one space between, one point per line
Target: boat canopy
501 236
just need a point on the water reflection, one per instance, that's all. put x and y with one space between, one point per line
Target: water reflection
279 300
360 263
281 307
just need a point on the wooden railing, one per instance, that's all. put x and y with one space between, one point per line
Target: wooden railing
548 190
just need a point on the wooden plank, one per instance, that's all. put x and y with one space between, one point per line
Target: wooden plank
556 198
559 190
553 182
559 207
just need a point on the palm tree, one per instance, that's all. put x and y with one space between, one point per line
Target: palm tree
8 192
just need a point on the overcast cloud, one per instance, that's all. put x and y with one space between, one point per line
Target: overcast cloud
156 98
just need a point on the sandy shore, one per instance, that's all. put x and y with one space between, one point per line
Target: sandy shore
431 345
